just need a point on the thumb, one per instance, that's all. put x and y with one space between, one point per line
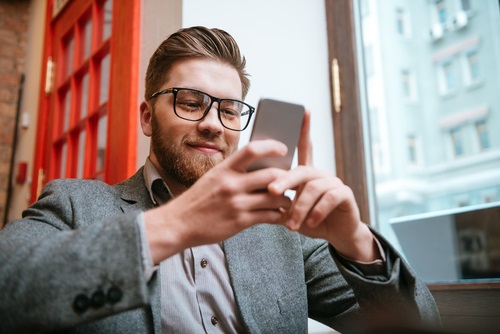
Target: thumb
304 147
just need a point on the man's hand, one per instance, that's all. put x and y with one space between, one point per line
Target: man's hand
225 201
324 207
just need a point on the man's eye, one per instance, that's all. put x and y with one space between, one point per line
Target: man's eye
189 105
230 113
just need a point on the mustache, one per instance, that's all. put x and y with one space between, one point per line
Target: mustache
211 138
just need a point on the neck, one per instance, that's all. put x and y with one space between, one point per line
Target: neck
175 187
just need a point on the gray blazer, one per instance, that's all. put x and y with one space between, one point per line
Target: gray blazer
73 265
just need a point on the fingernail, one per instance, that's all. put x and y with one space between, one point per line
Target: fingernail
292 225
275 187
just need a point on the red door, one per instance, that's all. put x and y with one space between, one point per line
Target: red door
88 110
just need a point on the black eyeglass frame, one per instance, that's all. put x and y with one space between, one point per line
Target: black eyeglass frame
175 90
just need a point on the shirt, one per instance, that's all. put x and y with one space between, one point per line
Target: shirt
196 293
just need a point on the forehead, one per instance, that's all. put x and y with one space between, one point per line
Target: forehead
211 76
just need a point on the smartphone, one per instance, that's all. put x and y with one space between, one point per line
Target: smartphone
281 121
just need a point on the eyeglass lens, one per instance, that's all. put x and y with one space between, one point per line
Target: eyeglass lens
192 105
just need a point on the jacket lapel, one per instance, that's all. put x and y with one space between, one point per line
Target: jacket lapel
134 194
134 198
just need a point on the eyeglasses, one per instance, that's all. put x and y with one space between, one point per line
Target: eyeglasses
193 105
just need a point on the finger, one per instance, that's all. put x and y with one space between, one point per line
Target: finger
307 200
259 201
327 203
304 147
255 150
265 201
294 178
259 180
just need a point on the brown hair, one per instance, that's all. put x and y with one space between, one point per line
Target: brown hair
194 42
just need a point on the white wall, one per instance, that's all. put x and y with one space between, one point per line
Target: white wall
285 45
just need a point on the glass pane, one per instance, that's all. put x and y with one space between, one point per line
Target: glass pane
102 132
103 93
87 39
81 155
431 109
107 19
84 96
66 111
69 50
64 159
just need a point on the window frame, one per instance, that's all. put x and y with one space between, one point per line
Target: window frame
351 158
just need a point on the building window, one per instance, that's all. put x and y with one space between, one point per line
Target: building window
447 77
401 22
442 14
482 135
457 142
412 149
408 85
466 5
473 66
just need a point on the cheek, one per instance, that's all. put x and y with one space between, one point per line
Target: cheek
232 139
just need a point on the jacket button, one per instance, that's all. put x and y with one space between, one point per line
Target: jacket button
214 321
114 295
203 263
81 303
98 299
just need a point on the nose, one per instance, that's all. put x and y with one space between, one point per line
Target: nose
211 123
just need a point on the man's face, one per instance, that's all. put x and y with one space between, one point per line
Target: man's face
185 150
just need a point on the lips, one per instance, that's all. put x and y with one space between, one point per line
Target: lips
206 147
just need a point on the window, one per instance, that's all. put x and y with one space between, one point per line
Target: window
457 143
466 5
441 12
473 69
431 190
447 77
408 85
401 22
412 150
482 135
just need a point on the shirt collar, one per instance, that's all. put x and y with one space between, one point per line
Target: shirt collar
154 184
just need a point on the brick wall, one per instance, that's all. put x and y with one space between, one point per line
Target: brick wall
13 31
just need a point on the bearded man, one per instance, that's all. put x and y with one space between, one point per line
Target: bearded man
190 243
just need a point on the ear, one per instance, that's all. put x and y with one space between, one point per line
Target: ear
146 117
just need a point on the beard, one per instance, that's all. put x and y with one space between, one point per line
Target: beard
186 167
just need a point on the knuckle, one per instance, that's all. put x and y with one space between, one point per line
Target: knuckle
227 188
330 196
252 150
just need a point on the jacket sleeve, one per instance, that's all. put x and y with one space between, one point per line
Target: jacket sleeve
394 299
64 263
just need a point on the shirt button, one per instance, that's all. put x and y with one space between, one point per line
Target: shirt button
203 263
214 321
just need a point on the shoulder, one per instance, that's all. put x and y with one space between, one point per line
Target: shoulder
75 187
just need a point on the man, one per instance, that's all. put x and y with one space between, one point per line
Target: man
191 243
